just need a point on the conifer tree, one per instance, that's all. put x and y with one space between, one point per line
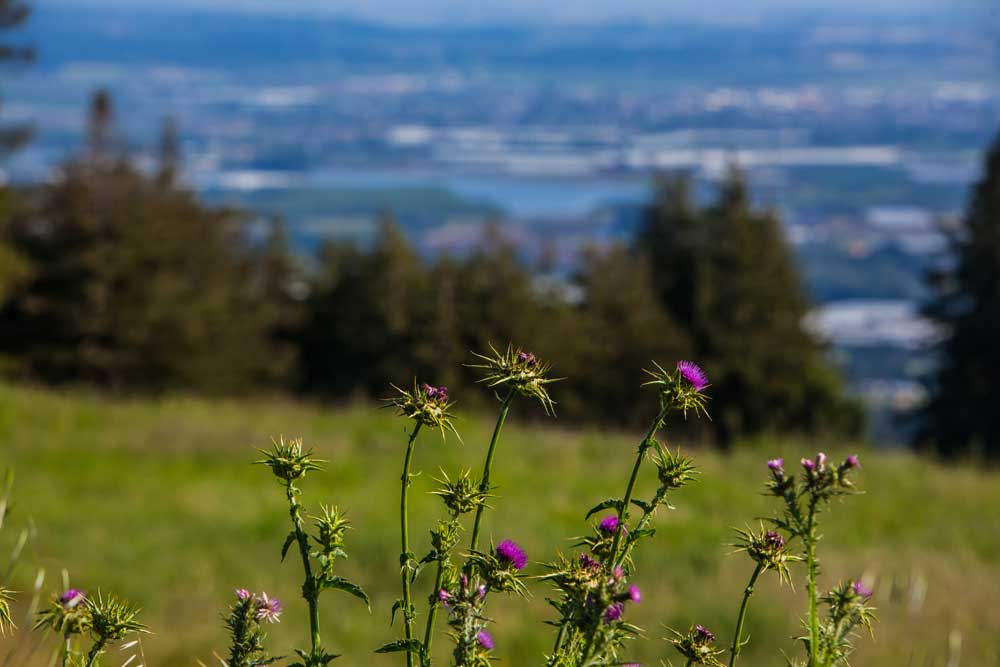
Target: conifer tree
726 275
961 417
13 15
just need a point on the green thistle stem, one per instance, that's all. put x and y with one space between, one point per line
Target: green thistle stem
404 558
737 638
432 613
558 644
484 484
309 590
623 510
95 651
811 569
67 646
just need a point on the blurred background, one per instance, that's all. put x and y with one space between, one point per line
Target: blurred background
239 206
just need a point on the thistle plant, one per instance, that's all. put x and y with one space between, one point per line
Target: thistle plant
290 462
804 499
105 620
426 406
517 372
593 587
245 622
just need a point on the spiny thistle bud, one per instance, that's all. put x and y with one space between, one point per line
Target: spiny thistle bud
697 646
673 469
461 496
428 406
680 389
445 537
6 621
519 371
768 549
111 619
288 461
246 645
848 604
331 527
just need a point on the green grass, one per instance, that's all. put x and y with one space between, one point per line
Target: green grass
156 500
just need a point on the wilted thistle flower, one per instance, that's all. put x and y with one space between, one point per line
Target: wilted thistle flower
461 496
426 405
697 646
520 372
769 550
288 461
268 609
680 389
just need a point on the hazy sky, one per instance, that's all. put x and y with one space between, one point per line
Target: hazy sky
463 11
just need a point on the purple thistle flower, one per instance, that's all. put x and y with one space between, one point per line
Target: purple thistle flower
268 609
634 594
509 554
809 464
608 525
613 613
71 597
527 358
821 459
703 634
776 465
435 393
861 589
691 372
852 462
485 640
618 573
444 595
482 591
774 539
588 562
243 594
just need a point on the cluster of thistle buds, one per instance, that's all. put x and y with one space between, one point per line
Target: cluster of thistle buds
820 479
697 646
464 603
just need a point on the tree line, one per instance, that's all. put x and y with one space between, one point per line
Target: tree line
124 279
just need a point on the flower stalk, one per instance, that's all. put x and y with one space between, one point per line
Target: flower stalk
734 652
406 558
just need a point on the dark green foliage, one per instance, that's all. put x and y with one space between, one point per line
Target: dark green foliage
134 282
13 15
725 274
962 416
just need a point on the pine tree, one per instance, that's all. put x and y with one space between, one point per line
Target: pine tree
135 283
961 417
726 276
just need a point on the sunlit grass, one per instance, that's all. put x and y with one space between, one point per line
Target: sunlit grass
156 500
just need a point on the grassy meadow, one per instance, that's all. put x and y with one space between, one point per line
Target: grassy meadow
156 500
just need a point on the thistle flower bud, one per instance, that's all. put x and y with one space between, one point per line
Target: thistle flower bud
462 496
519 371
851 461
861 590
426 405
808 464
768 549
288 461
776 466
673 469
444 595
613 612
697 646
634 594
